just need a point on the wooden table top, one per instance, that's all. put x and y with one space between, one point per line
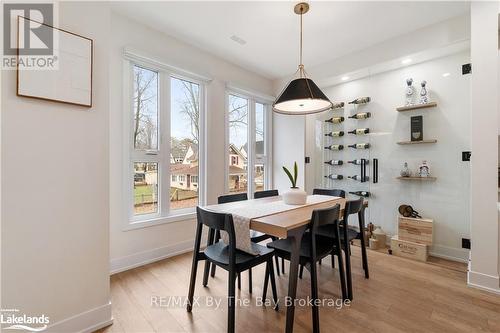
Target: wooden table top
279 224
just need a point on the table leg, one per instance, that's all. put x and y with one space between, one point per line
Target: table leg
295 237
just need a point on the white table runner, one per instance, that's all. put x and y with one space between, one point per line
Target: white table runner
256 208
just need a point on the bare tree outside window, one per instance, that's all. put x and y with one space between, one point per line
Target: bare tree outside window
145 132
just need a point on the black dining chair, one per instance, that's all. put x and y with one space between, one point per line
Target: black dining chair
222 200
332 193
228 258
347 234
266 194
313 248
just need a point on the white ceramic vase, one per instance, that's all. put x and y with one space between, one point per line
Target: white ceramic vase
295 196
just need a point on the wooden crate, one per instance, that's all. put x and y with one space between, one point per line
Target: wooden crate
409 250
415 230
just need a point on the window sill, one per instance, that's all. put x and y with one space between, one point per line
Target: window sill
177 217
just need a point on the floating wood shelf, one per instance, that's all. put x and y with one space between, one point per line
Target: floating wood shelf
416 106
416 142
418 178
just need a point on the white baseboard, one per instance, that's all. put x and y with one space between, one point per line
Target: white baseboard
149 256
85 322
483 281
450 253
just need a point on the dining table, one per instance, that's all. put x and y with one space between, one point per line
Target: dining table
290 222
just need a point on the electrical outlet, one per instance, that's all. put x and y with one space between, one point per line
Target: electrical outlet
466 156
466 69
465 243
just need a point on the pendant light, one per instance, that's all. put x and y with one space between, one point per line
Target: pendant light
301 95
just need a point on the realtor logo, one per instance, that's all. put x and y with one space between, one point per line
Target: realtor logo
32 33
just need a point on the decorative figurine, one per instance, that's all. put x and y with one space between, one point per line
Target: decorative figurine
423 93
409 92
405 172
424 170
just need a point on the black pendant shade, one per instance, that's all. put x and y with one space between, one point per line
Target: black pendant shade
302 96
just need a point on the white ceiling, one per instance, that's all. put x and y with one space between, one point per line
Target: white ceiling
271 29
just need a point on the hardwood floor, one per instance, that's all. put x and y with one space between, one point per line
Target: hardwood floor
400 296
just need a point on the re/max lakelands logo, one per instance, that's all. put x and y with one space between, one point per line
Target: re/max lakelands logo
29 40
13 319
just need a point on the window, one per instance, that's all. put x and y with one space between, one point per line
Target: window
248 121
164 142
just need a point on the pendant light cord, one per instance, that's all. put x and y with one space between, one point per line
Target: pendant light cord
301 65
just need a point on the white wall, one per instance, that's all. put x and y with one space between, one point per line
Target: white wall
130 248
55 235
484 264
445 200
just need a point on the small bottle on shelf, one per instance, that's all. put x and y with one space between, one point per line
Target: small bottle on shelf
335 120
356 177
361 100
334 162
358 162
365 194
335 134
359 131
361 115
335 177
335 147
360 146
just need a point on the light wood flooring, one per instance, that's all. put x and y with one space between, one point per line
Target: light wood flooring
400 296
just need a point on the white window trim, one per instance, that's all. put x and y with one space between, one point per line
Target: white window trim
252 97
131 222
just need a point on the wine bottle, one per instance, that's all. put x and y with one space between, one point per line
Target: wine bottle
361 115
360 146
335 120
335 147
361 193
359 131
337 105
361 100
358 162
336 177
356 177
334 162
335 134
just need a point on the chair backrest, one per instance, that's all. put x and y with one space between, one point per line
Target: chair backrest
265 194
324 216
232 198
216 221
333 192
354 207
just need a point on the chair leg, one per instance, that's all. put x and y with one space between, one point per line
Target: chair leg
273 283
217 237
314 295
301 271
239 281
277 265
192 283
343 286
210 241
266 280
347 252
282 265
333 260
231 303
250 280
364 258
